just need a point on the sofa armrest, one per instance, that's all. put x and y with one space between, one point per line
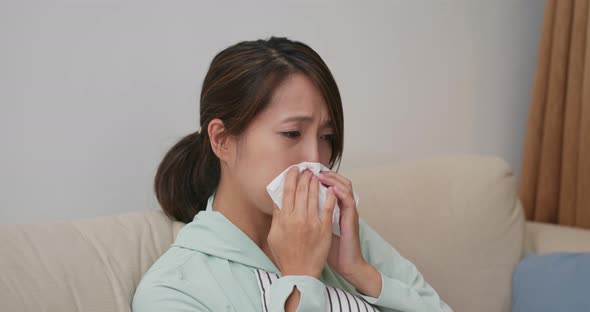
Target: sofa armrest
544 238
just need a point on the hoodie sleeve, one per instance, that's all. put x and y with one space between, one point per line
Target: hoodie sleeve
403 287
312 293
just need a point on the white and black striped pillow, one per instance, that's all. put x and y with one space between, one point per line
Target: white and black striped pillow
338 300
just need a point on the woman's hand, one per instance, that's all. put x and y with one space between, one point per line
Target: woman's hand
299 238
345 255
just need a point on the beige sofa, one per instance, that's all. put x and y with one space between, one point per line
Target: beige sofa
457 218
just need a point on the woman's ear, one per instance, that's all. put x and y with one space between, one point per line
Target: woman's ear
219 139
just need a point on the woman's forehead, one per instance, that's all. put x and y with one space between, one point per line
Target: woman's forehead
298 96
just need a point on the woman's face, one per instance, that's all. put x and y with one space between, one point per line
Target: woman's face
295 127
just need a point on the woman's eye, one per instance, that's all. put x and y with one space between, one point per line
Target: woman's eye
292 134
328 137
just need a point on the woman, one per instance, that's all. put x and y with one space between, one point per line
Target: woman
266 105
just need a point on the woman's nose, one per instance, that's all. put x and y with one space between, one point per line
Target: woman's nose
312 152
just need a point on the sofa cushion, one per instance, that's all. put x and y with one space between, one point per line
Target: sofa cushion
542 238
552 282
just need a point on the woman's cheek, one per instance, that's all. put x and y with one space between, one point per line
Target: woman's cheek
325 151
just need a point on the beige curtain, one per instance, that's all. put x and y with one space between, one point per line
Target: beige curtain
555 178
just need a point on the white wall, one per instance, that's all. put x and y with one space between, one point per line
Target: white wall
92 94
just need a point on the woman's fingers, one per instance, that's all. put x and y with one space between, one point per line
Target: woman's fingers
342 187
275 214
329 205
312 199
289 190
345 197
302 193
336 179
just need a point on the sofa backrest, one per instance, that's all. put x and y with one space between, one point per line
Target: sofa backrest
82 265
456 218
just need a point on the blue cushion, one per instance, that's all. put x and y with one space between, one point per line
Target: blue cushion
552 282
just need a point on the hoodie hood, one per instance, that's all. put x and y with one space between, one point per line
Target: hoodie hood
213 234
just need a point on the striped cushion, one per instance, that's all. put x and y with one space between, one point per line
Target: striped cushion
338 299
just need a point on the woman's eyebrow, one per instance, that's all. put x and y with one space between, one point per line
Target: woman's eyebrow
303 119
328 123
298 119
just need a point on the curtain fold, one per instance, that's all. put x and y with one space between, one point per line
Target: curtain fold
555 177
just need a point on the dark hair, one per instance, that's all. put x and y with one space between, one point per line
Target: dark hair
238 85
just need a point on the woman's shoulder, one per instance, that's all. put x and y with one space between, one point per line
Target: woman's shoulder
170 282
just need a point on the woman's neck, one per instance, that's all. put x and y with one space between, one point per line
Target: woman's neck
248 218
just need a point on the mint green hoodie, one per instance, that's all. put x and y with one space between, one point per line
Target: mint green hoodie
214 266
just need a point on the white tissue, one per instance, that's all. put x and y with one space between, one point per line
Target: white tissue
276 187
